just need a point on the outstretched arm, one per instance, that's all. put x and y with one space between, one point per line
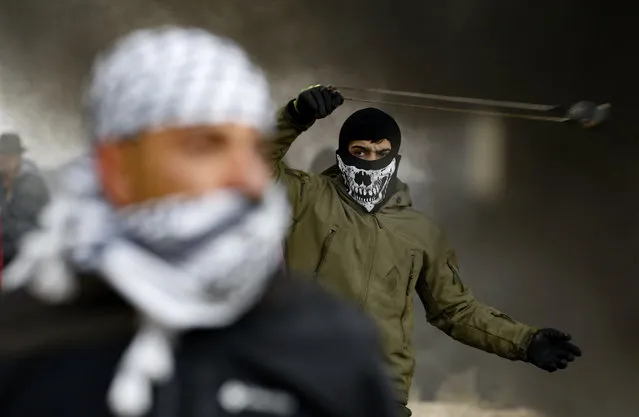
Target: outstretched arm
451 307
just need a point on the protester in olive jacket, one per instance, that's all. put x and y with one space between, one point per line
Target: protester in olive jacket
354 229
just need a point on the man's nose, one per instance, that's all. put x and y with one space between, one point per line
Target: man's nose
249 175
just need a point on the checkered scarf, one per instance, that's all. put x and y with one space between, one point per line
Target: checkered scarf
175 77
182 263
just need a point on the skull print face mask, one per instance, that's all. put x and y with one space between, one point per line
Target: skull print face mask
368 182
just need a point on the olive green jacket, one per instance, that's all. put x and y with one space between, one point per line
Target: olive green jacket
377 260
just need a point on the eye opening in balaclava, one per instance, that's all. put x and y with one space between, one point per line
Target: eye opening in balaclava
369 183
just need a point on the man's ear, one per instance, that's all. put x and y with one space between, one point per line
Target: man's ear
113 171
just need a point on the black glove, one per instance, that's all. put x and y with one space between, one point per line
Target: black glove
551 350
314 103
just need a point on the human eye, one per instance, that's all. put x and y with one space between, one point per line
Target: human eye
202 143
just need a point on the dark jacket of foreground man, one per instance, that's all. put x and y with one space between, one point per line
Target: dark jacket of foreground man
299 352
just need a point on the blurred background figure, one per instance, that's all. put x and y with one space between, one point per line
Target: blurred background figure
22 196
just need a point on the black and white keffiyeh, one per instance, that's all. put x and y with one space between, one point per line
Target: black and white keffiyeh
175 77
181 262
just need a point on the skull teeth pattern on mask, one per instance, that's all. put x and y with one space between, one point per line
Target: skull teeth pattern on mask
367 186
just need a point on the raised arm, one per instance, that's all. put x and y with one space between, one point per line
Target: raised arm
293 119
288 129
451 307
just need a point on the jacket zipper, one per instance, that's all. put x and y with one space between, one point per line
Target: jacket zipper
302 189
411 275
324 251
370 268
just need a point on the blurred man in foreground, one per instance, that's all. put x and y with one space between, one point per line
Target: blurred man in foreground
355 230
22 196
154 286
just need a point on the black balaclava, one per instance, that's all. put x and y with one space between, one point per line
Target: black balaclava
369 183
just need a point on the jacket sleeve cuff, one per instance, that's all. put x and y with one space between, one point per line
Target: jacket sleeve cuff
525 345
